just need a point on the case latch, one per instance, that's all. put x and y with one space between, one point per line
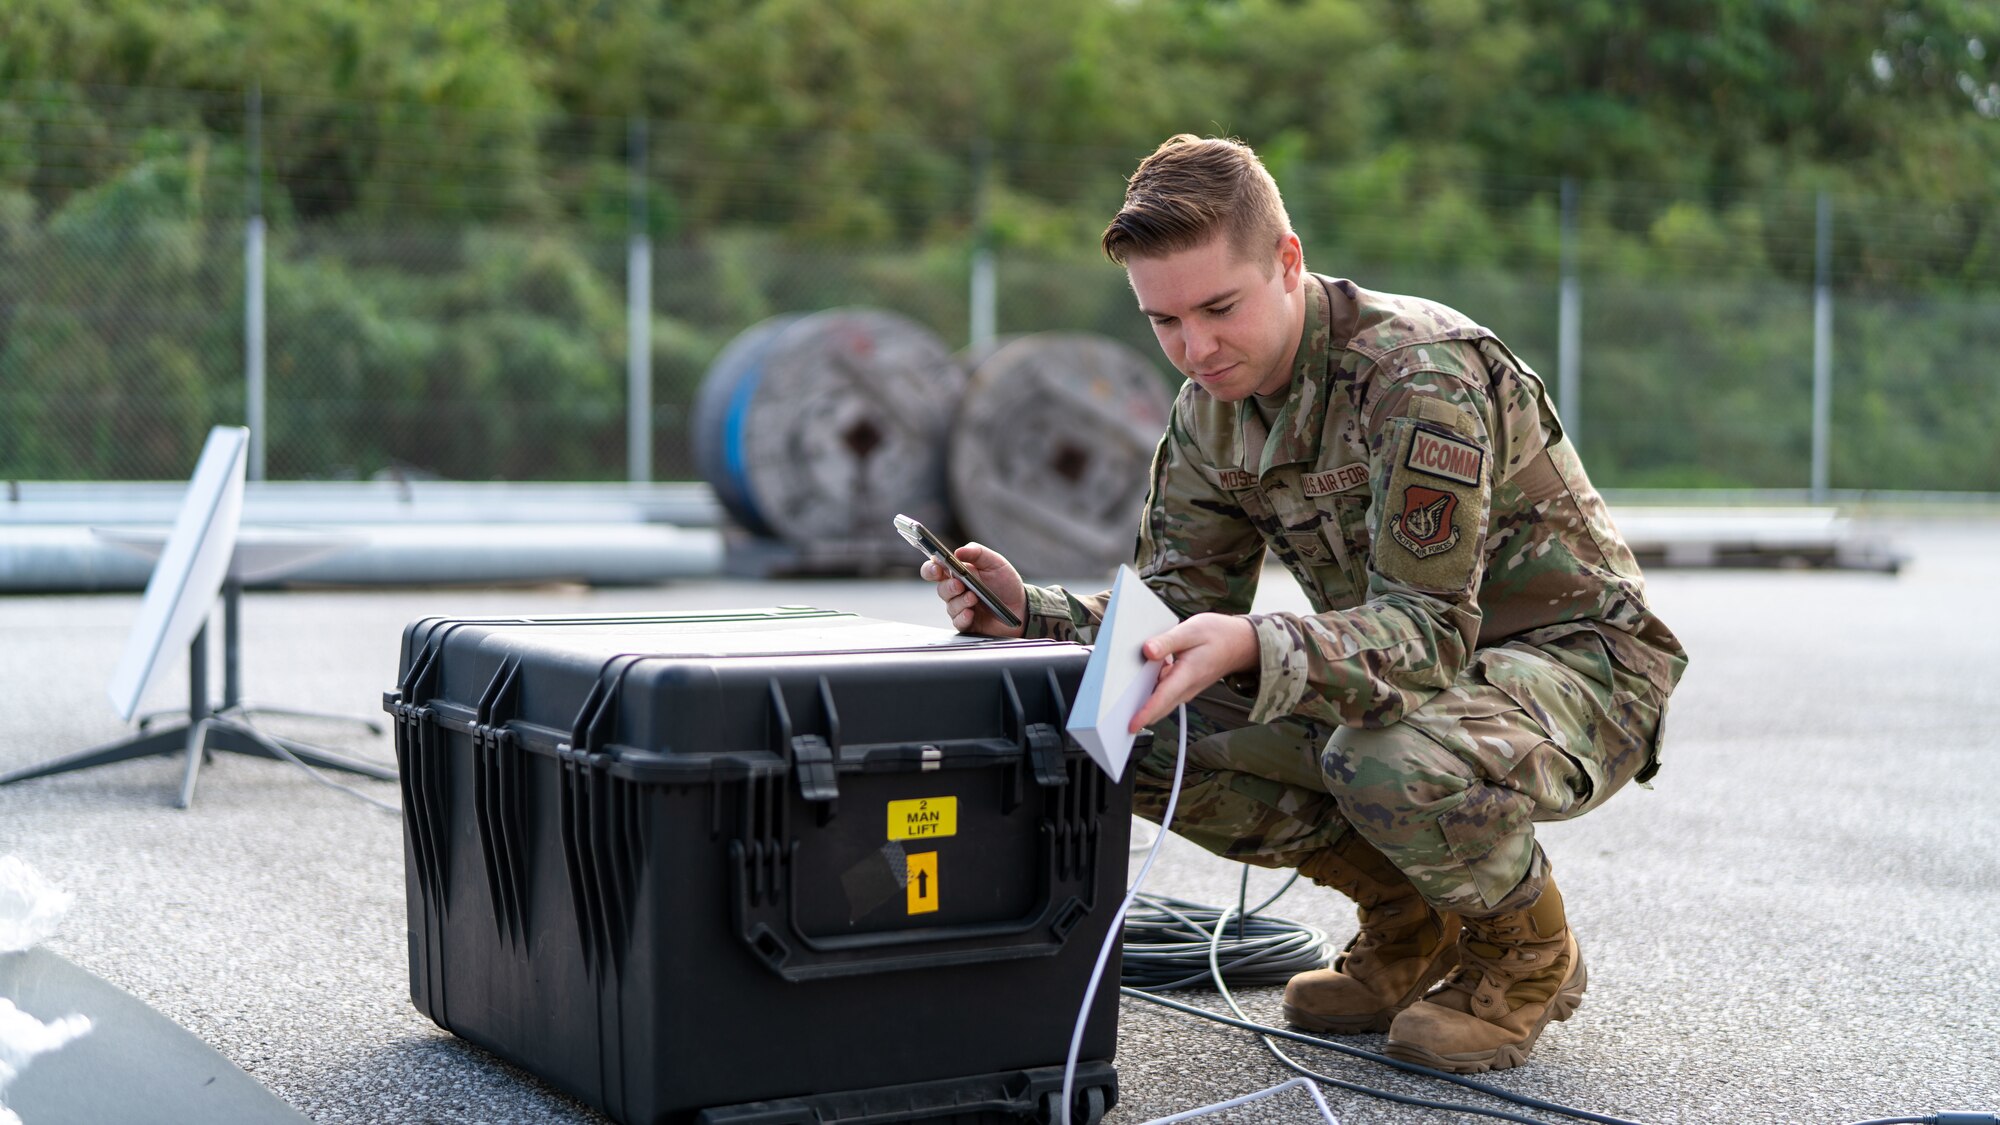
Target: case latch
812 761
1045 754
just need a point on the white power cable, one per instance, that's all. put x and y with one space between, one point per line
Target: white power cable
1311 1087
1117 927
1116 932
284 753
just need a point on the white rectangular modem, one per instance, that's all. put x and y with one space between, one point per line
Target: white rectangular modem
1118 679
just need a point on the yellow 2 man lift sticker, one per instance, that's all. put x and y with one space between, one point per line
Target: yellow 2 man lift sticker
926 818
922 889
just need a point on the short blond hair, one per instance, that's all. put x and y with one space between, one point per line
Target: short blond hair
1190 189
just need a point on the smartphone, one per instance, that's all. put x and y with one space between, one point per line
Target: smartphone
921 538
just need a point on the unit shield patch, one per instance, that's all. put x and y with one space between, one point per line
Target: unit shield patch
1426 526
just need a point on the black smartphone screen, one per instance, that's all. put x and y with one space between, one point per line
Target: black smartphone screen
920 537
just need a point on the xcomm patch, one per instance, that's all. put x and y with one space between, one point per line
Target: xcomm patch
1442 455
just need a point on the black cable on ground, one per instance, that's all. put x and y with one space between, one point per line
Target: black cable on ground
1315 1041
1947 1117
1174 943
1181 943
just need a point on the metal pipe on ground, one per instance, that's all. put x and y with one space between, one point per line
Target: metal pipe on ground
71 559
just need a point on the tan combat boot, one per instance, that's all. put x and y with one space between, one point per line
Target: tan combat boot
1402 949
1516 972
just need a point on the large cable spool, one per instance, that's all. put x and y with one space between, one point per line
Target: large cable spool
720 406
1051 449
818 429
971 356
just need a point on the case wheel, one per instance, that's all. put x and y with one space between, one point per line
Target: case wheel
1088 1109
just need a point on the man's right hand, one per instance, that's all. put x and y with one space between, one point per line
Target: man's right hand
996 574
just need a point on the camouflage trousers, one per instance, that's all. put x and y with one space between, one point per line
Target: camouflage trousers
1449 794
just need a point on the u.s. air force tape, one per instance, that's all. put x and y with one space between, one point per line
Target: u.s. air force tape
1336 480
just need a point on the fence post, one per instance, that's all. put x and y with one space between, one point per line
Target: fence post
1569 329
638 318
1822 393
984 297
253 288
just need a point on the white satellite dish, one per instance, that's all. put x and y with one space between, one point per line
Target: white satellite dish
188 577
200 560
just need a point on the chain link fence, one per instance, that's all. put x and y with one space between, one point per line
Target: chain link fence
459 308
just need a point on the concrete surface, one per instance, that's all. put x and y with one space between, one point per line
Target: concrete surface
1797 924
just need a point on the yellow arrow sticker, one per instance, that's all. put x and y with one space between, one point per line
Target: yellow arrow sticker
922 888
926 818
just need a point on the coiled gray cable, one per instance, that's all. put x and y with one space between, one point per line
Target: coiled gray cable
1167 944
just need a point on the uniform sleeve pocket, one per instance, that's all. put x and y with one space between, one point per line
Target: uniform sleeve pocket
1590 510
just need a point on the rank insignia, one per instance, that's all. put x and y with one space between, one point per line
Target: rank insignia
1307 545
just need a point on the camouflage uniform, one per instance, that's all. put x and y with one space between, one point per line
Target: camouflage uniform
1481 654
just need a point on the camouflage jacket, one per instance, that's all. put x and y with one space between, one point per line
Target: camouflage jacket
1417 484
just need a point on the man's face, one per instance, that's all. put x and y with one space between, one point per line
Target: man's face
1228 322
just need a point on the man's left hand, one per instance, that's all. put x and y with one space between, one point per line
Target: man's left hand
1205 648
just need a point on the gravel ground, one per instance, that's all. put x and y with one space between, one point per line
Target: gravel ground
1796 924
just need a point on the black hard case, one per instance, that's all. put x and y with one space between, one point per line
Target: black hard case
647 860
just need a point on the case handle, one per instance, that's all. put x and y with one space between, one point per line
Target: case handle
772 932
812 756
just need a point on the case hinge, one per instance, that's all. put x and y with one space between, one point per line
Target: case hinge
1045 754
812 761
